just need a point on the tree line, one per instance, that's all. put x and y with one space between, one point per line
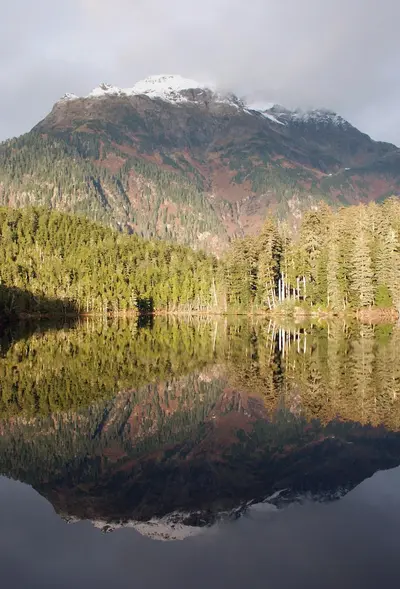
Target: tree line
340 260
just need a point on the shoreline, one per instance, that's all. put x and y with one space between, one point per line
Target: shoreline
373 315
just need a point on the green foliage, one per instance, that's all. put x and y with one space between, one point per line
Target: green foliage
68 262
383 298
347 259
343 259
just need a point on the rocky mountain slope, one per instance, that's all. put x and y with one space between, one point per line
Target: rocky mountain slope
177 159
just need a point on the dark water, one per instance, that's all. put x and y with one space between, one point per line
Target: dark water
262 455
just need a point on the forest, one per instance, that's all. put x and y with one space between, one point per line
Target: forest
52 262
340 260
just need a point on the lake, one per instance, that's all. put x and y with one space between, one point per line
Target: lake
193 452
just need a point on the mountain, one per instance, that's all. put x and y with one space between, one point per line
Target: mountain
181 160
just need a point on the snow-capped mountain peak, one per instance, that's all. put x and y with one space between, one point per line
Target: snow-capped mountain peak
174 89
178 90
168 87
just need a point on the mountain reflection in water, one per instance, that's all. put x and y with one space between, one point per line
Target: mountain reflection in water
172 425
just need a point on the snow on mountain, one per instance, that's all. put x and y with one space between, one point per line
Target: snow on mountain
173 526
323 116
68 96
320 116
169 88
260 106
167 528
178 90
105 90
264 109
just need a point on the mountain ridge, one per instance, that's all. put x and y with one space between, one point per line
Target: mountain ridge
177 89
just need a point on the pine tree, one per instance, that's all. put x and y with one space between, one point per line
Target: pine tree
362 272
334 290
269 252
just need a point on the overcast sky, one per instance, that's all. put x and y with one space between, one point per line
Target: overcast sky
341 54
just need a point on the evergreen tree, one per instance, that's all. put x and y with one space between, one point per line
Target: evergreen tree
362 272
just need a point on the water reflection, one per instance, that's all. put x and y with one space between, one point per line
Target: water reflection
171 425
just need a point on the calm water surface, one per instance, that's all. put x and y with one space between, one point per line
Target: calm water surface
193 453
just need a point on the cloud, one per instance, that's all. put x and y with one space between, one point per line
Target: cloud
340 54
